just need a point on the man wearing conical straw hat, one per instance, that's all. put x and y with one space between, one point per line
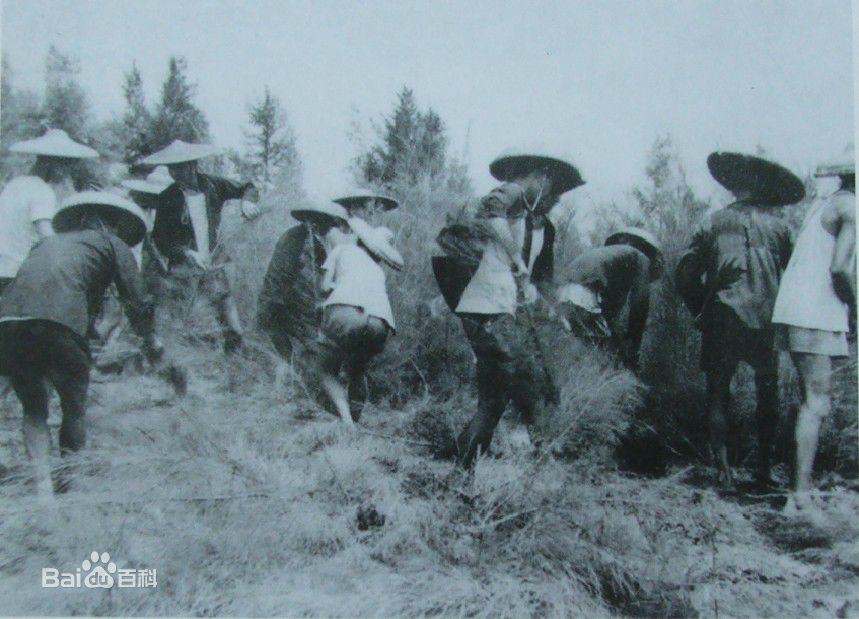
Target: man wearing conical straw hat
187 219
364 203
514 271
47 311
817 292
729 279
28 202
290 301
609 287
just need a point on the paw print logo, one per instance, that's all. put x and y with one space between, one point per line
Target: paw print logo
102 569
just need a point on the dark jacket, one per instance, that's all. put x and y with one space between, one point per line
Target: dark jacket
64 279
173 232
290 296
621 276
736 259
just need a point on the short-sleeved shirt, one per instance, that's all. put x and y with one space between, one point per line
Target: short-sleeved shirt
173 230
621 276
24 201
290 291
64 279
759 245
354 278
492 289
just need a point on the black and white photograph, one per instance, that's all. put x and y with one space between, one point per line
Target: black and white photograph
487 309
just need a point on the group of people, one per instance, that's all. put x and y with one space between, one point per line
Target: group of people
324 301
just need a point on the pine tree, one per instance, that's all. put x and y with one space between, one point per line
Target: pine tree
136 123
270 143
411 143
176 116
65 105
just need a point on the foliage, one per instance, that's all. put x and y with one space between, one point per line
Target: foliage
176 117
410 144
270 150
136 121
65 106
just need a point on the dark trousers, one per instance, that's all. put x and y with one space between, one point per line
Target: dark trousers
507 370
34 353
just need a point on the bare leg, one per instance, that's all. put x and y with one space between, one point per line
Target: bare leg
814 375
338 395
718 399
33 394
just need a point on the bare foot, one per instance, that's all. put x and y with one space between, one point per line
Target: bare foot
800 506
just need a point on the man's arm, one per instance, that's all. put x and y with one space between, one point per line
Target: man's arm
139 309
225 189
495 210
842 218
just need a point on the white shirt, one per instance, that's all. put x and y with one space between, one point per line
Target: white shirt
196 202
806 297
354 278
492 290
24 201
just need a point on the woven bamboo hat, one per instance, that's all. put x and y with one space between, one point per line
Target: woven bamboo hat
129 219
378 242
323 211
516 162
179 152
769 183
845 165
54 143
354 198
639 238
155 182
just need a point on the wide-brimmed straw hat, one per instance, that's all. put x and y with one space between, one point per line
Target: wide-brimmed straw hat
580 296
639 238
377 241
514 163
845 165
179 152
54 143
769 183
129 219
155 182
354 197
324 211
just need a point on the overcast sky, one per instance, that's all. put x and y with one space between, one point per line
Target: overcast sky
598 80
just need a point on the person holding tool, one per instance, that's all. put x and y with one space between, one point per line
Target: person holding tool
514 272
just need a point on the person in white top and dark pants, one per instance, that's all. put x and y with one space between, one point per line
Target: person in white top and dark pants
357 318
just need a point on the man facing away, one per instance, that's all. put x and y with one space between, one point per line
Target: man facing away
729 278
47 311
187 219
28 202
290 301
811 313
515 269
617 280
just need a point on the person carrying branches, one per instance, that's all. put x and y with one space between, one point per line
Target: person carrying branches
729 278
494 300
187 219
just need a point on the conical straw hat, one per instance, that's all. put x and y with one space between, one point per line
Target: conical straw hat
354 197
518 161
769 183
179 152
155 182
323 210
377 241
639 238
130 219
54 143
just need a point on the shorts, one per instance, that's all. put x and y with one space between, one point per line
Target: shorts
349 335
727 340
813 341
